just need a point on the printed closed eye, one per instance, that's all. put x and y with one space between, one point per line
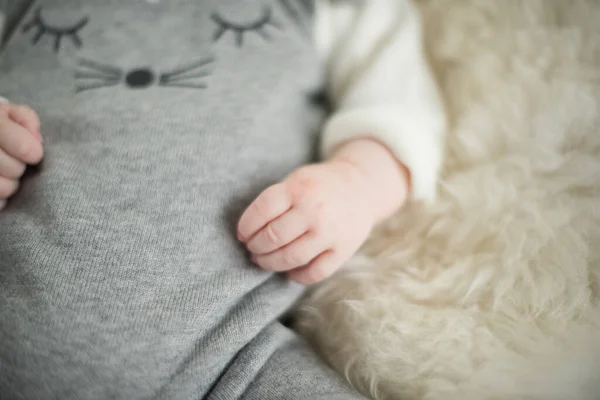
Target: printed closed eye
295 11
42 28
259 26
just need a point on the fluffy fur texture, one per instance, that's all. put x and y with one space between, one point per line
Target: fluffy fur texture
492 293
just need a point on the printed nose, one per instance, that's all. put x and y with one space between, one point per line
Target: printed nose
139 78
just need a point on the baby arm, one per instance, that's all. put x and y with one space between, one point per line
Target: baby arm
382 144
20 145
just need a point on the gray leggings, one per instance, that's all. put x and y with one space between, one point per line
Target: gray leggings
291 372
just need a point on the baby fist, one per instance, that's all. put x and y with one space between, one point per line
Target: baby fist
311 223
20 145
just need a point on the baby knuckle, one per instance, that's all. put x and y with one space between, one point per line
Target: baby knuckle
292 258
23 108
262 205
304 183
20 108
322 213
272 235
27 112
317 227
27 109
288 190
4 123
272 191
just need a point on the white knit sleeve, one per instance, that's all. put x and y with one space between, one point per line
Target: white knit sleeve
381 84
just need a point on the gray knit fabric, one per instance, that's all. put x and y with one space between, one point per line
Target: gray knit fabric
120 275
10 13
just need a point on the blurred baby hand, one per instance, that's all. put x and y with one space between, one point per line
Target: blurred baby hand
20 145
311 223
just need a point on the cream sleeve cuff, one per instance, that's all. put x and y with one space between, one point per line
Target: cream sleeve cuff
414 139
381 85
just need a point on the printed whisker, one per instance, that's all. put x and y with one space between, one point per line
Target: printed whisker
184 85
96 66
99 85
178 78
93 75
187 68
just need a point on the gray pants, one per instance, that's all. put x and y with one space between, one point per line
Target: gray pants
291 371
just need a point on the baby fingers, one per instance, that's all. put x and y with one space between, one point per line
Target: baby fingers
27 118
278 233
9 167
296 254
18 143
272 203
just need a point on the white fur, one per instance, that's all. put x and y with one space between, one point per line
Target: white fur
493 292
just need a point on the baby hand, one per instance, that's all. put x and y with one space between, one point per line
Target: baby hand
311 223
20 145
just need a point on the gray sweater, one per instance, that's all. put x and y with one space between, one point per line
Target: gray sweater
120 274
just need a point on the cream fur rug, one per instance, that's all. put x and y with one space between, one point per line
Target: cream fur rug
493 293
